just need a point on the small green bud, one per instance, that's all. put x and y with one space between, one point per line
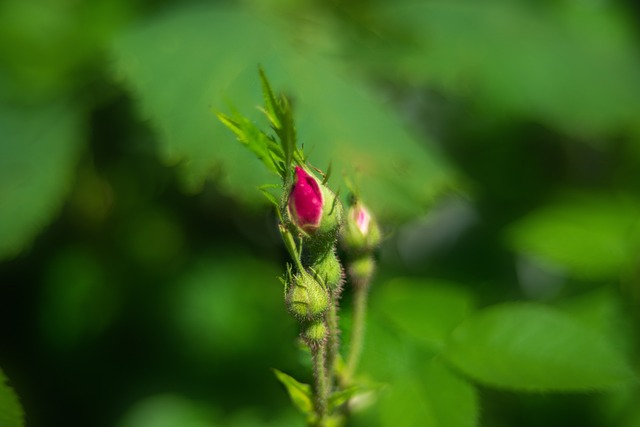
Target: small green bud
361 269
306 298
329 270
315 331
361 232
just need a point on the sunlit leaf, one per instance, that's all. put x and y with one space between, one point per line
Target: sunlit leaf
299 393
592 237
39 148
532 347
573 66
430 396
195 59
425 309
11 414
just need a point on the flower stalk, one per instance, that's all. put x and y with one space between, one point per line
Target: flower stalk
311 221
360 239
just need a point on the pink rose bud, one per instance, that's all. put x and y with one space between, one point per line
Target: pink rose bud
306 201
361 233
363 218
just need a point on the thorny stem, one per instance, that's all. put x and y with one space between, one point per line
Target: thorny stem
319 356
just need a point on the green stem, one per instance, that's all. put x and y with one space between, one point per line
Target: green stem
333 340
319 356
357 330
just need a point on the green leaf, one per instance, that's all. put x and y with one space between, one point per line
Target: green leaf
591 236
299 393
255 140
341 397
430 396
599 310
270 103
535 348
506 53
11 413
198 58
39 148
426 310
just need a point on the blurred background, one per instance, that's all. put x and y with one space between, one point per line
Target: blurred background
498 142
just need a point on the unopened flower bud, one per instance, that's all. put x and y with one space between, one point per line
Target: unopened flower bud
315 331
312 206
328 269
361 233
306 299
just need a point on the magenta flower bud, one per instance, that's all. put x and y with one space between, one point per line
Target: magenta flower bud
306 201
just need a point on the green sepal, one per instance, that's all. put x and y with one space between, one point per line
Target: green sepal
290 244
328 270
306 298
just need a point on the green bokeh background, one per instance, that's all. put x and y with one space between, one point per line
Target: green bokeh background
498 141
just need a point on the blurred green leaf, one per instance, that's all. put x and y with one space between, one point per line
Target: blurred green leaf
430 396
299 393
592 236
184 64
48 50
425 309
39 147
340 397
573 64
599 310
386 354
11 414
535 348
167 410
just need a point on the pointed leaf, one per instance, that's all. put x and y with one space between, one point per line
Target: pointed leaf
254 139
532 347
340 397
299 393
270 103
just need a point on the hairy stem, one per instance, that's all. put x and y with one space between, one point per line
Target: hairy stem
333 340
319 356
357 330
